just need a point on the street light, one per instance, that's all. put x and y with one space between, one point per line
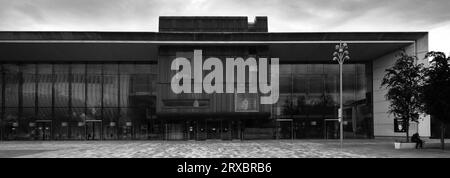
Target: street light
340 55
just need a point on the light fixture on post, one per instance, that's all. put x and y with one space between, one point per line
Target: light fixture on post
340 55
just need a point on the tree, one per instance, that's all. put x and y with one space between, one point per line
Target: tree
403 82
436 90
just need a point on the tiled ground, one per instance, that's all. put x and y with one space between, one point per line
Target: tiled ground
212 149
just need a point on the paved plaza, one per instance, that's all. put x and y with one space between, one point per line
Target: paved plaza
213 149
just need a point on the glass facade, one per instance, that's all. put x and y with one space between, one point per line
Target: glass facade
309 101
77 101
115 101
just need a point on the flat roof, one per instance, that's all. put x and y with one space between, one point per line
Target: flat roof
9 36
143 46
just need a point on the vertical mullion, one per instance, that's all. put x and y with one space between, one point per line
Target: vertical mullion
85 100
20 92
36 91
70 91
53 79
118 100
2 72
101 98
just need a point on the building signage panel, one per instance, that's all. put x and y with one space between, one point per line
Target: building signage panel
399 125
246 102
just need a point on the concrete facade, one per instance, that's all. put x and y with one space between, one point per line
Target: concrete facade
383 122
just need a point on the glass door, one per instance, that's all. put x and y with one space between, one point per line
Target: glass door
213 129
192 130
93 129
44 129
285 129
331 129
226 130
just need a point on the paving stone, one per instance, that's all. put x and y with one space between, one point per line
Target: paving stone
212 149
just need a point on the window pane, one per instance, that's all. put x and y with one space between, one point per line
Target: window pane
29 85
126 69
11 85
315 69
110 90
1 86
62 90
94 89
45 79
300 83
11 115
44 114
124 90
28 90
110 115
285 84
110 69
285 69
78 85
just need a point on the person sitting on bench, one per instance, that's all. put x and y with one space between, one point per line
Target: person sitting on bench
416 139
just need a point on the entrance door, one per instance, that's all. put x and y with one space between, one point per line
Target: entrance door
226 130
44 129
331 129
213 129
93 129
192 130
285 129
236 129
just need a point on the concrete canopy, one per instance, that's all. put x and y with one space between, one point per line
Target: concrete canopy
143 46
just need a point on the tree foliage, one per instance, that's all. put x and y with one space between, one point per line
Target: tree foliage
436 89
403 82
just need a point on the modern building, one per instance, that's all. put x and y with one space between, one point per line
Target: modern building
117 85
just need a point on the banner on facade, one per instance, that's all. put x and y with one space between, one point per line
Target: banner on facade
246 102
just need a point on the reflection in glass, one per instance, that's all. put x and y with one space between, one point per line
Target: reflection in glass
315 98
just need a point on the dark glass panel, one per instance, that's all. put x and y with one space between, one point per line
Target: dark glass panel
125 86
110 69
300 69
62 114
11 90
78 114
285 69
285 84
145 69
300 82
93 113
94 90
315 69
126 69
28 90
62 90
29 114
361 82
1 86
94 69
110 90
45 85
349 86
11 115
78 85
44 113
331 69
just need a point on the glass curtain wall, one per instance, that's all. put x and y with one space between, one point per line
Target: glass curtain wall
77 101
309 96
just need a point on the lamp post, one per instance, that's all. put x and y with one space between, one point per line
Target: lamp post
340 55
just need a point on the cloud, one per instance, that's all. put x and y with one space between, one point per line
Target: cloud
284 15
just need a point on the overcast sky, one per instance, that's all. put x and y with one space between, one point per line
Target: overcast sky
284 15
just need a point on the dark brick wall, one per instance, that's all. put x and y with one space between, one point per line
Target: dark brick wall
211 24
